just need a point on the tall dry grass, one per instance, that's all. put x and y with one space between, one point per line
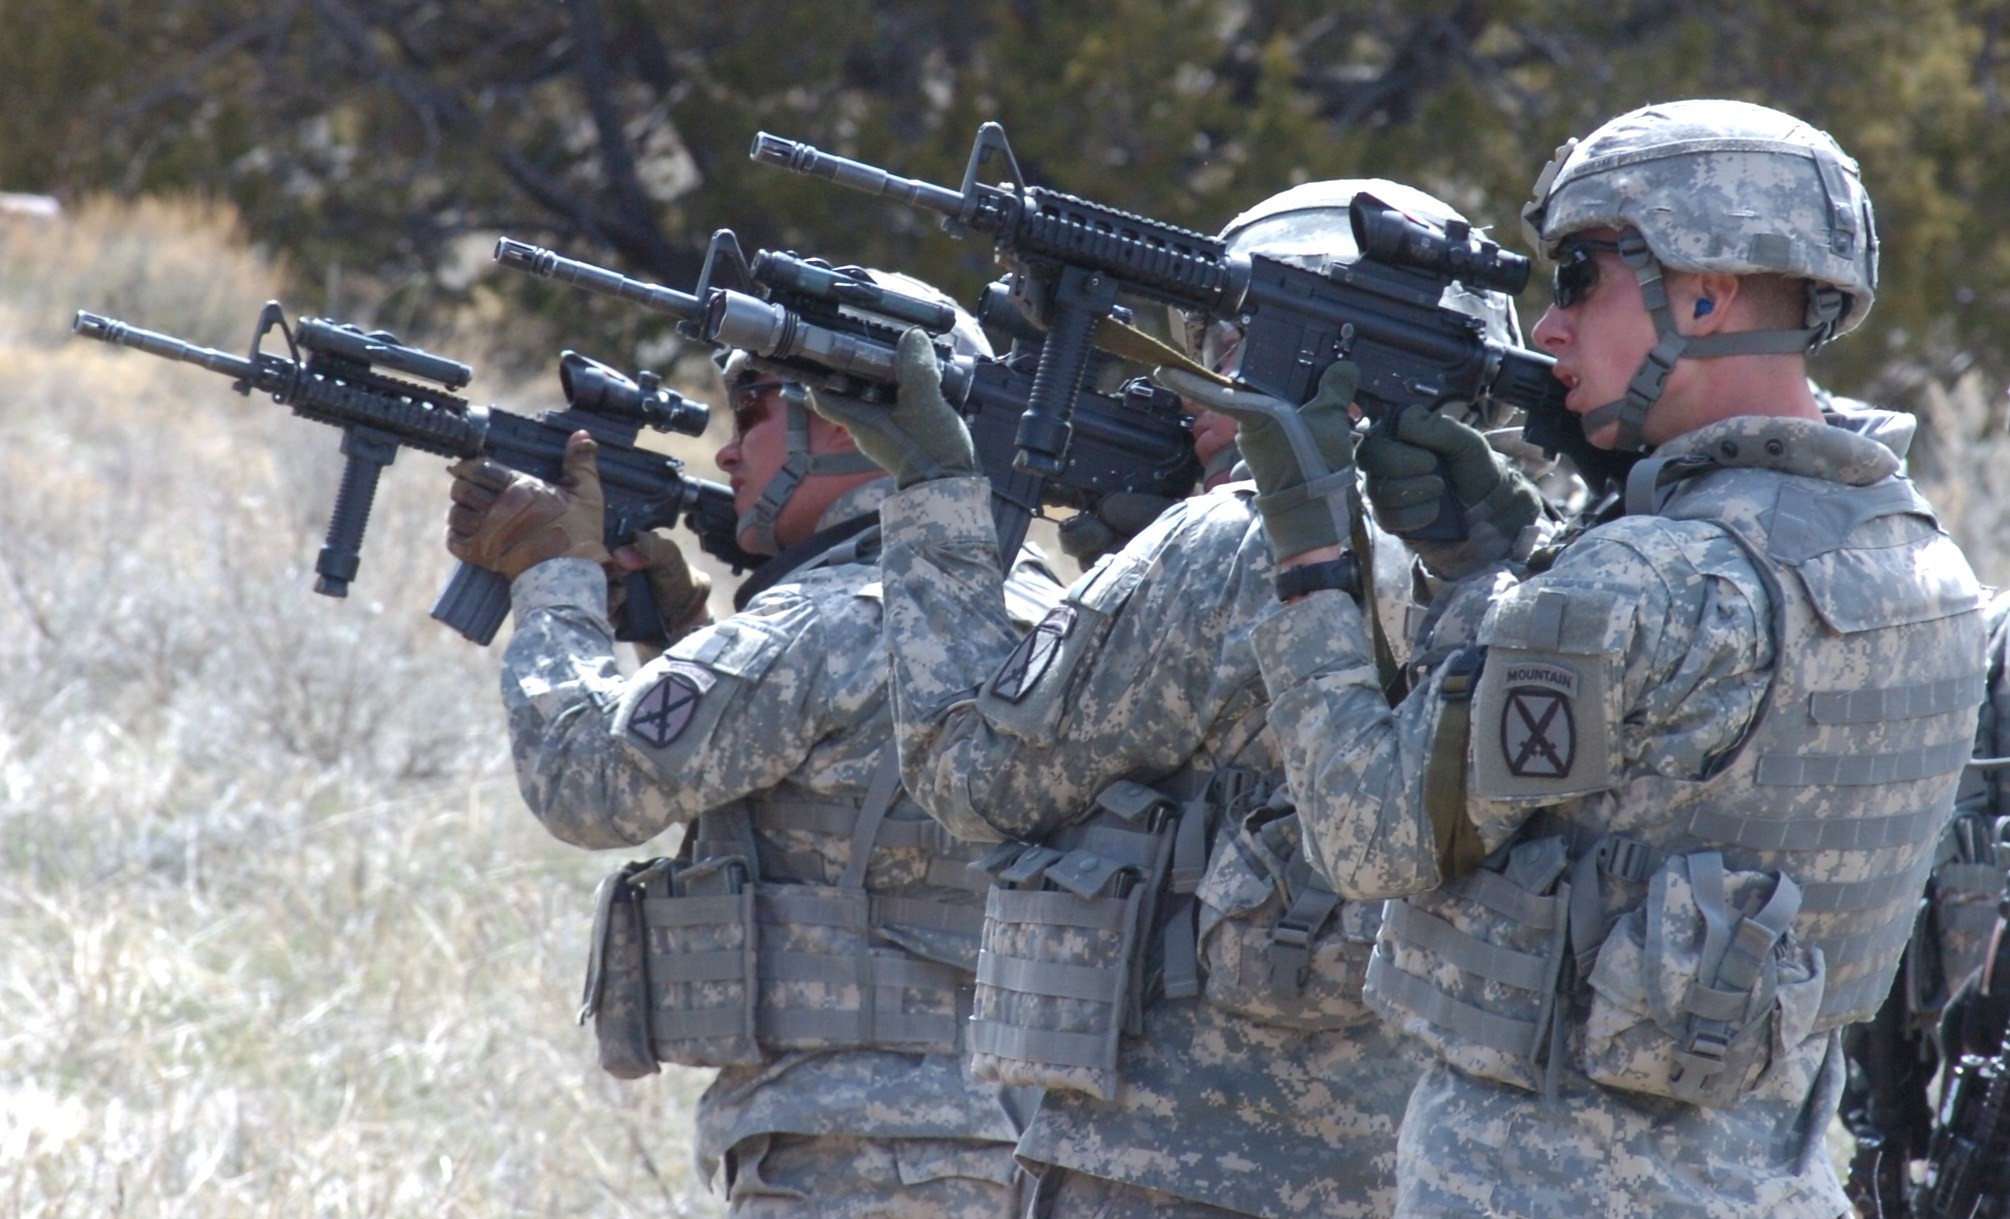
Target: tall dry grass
277 935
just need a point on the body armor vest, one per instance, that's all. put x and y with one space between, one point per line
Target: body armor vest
747 944
1674 936
746 947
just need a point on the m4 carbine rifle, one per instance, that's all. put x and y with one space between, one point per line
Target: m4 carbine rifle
1071 258
386 396
835 329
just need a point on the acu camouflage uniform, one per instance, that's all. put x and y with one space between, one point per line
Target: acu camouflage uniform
773 719
1144 673
1773 666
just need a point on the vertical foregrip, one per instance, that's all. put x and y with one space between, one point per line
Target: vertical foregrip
368 451
1042 439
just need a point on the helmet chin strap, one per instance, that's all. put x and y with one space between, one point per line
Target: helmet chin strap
801 464
1825 307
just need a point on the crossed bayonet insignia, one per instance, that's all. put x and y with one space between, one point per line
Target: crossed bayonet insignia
662 714
1035 654
1538 733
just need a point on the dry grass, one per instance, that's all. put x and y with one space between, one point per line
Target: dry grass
277 936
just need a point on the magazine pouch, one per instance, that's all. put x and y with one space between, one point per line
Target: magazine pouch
1704 986
1061 969
692 959
1277 944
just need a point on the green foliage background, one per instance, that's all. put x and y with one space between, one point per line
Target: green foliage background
382 143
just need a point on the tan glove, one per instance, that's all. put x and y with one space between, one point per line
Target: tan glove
510 522
680 593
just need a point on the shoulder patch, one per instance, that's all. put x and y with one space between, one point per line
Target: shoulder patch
1539 726
1035 654
665 710
1550 693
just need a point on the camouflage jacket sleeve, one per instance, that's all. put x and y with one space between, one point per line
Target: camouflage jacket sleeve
1140 671
1696 655
790 686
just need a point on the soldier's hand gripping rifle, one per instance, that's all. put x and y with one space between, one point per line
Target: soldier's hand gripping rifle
386 396
1072 257
834 329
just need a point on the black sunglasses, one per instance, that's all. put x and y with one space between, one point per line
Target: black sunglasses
1577 269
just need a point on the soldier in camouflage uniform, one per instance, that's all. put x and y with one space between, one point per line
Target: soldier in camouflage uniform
1660 834
1271 1091
768 735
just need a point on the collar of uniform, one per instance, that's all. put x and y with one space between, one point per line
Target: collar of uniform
1791 446
860 500
1894 430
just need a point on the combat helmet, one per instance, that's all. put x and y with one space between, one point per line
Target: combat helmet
741 370
1713 186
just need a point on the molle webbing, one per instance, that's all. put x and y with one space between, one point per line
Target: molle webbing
949 856
828 964
1082 929
1312 904
711 901
1864 769
1101 984
1529 975
1846 790
879 1017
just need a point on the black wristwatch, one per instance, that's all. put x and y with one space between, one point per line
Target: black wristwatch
1342 573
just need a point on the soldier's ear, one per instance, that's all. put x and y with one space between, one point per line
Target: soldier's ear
1713 300
828 437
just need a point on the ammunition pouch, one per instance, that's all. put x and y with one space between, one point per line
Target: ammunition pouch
1473 968
1966 889
1694 999
707 962
1693 994
672 977
1277 944
1082 932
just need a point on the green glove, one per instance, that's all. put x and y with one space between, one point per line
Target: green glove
1113 521
1303 508
1404 481
921 437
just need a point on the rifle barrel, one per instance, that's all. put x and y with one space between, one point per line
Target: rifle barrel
153 342
857 175
536 260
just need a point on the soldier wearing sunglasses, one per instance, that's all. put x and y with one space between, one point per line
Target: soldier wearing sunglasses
1657 835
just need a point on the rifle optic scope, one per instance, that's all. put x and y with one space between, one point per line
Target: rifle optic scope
1387 235
601 389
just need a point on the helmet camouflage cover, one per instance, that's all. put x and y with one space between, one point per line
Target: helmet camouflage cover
1723 186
